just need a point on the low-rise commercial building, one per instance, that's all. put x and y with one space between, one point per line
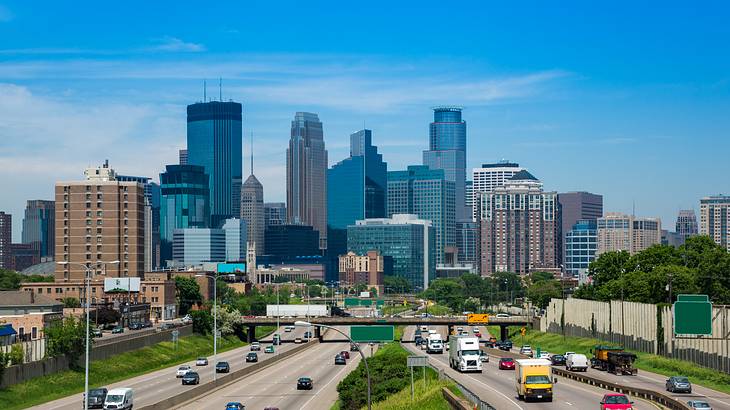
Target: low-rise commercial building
28 313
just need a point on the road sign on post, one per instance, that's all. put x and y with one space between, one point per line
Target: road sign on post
417 361
380 333
692 315
477 318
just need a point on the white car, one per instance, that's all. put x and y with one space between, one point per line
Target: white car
182 370
201 361
459 329
544 355
502 315
287 329
475 330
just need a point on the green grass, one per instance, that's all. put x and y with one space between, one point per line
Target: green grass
262 331
398 332
116 368
395 309
428 398
437 310
555 343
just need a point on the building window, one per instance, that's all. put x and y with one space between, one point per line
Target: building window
34 333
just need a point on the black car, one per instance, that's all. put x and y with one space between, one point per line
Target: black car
222 367
557 360
147 324
96 398
135 326
340 359
505 345
252 357
191 378
679 384
304 383
418 340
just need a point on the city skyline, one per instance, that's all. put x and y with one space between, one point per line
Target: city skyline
582 120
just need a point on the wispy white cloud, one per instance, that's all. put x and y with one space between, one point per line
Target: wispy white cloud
174 44
5 14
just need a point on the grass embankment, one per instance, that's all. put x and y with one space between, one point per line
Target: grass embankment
396 309
555 343
116 368
437 310
391 381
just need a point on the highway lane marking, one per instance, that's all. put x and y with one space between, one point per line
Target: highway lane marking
328 383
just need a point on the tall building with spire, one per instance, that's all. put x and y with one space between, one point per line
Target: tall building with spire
252 210
306 175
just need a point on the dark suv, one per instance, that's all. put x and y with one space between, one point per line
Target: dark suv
96 398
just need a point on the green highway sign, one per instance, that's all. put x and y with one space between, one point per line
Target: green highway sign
692 298
380 333
693 316
350 302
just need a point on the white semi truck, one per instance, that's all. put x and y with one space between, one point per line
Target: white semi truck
464 354
435 343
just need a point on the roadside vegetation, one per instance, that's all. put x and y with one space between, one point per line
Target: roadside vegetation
555 343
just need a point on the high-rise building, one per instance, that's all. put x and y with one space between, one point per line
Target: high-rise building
362 269
469 197
357 188
252 211
306 175
23 255
236 236
672 238
467 242
581 244
620 232
39 226
410 241
183 157
6 240
576 206
519 225
686 223
489 177
447 151
715 219
289 241
274 213
99 219
151 220
214 142
429 194
184 203
193 246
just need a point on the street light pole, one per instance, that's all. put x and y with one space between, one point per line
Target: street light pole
215 319
87 269
362 355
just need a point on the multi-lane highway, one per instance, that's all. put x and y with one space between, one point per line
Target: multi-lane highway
153 387
275 386
498 386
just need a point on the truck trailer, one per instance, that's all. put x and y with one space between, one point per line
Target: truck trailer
297 310
464 354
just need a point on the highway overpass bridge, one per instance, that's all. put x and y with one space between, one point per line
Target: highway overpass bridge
450 322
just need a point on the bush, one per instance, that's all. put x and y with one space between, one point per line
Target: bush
202 322
66 337
16 354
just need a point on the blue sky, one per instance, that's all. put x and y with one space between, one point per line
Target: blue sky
629 99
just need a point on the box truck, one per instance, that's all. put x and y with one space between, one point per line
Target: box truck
296 310
534 379
464 354
435 343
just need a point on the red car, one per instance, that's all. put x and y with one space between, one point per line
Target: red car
616 401
345 354
506 363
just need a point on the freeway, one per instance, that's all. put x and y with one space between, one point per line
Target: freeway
275 386
153 387
497 387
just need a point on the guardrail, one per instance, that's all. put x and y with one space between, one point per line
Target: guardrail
651 395
455 401
469 395
223 380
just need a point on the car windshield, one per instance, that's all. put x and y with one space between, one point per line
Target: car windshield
94 393
537 380
507 360
305 379
617 400
681 380
700 405
183 368
191 374
469 352
114 398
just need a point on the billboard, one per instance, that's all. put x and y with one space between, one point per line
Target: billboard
121 284
239 267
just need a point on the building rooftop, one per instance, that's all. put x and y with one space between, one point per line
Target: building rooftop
523 175
24 298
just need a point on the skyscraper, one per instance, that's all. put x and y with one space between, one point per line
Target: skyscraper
428 194
491 176
99 219
183 156
306 175
193 246
274 213
576 206
447 151
715 219
236 234
184 203
6 239
214 142
151 220
581 244
252 210
39 226
519 225
620 232
686 223
357 188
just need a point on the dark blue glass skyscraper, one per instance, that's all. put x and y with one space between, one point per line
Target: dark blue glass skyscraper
357 190
447 151
214 142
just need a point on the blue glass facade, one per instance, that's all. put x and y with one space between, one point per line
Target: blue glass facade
214 142
447 151
194 246
184 203
581 244
39 226
236 234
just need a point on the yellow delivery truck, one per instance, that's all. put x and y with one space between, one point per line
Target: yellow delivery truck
534 379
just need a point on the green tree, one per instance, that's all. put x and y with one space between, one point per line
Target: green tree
105 315
71 302
39 278
229 320
188 294
396 284
202 321
9 279
542 291
445 291
16 354
608 266
66 337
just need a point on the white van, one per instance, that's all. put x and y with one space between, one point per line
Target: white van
577 361
118 399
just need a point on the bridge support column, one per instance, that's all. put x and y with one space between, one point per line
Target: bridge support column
503 334
450 331
318 333
251 333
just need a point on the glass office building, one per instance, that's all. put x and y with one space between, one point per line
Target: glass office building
581 243
184 203
236 235
447 151
39 227
214 142
193 246
408 240
430 195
